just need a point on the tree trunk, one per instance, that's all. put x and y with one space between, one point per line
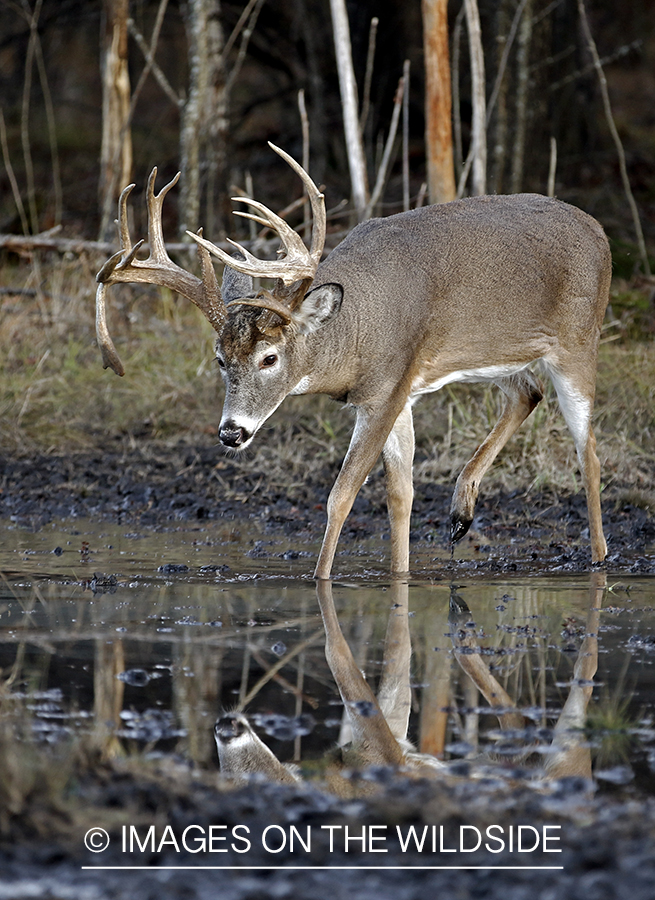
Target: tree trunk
438 102
522 85
116 148
479 123
205 119
348 88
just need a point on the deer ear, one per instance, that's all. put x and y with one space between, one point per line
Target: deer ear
318 307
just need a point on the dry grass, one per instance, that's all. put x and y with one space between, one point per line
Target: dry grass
55 396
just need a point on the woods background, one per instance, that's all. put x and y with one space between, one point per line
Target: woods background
93 94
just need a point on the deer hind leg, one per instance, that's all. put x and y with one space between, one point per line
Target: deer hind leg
522 393
576 403
398 458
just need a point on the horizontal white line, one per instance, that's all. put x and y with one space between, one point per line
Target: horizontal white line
327 868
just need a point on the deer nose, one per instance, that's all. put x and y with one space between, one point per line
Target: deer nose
232 435
227 728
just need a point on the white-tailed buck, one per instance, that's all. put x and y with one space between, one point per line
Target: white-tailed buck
476 290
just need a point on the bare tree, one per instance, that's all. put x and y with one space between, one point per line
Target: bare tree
116 148
348 87
438 102
479 124
522 86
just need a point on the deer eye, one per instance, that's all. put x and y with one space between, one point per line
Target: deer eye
221 363
268 361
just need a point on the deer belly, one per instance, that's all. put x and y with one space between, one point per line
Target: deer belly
428 381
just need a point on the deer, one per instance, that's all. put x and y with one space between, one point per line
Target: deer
477 290
379 722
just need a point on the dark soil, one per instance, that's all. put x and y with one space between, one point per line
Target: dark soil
162 486
606 844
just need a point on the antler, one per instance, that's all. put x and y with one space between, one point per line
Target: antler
298 263
158 268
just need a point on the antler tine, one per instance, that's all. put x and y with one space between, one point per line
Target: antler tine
317 201
123 227
292 241
155 204
299 263
158 268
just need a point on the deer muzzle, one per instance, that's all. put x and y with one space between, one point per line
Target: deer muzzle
233 435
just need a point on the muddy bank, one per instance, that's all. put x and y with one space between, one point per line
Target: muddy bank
606 842
163 486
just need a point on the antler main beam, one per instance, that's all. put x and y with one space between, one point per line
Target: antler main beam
158 268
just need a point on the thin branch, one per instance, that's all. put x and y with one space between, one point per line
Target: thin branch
406 135
388 147
12 176
615 136
25 114
51 124
304 125
159 75
236 31
245 40
552 167
368 76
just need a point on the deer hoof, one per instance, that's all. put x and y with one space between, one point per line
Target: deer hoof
458 527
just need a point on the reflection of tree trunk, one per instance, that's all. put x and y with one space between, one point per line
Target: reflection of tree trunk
108 691
436 696
116 149
204 124
438 105
196 695
522 85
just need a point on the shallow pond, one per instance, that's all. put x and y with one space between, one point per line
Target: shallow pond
137 641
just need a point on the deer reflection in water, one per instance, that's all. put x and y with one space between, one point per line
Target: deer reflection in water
378 725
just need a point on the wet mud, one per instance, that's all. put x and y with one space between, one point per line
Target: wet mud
161 486
606 830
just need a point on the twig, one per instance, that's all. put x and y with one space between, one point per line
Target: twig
615 135
245 40
552 167
12 176
51 124
304 125
25 115
275 668
368 75
406 135
159 75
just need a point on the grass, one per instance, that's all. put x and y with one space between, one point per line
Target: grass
55 396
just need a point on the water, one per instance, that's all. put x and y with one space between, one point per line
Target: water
137 641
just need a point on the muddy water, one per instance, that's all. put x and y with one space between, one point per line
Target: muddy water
136 641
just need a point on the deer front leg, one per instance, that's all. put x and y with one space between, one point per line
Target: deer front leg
398 457
522 394
372 429
373 740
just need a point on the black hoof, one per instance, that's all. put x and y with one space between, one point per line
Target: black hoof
458 527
